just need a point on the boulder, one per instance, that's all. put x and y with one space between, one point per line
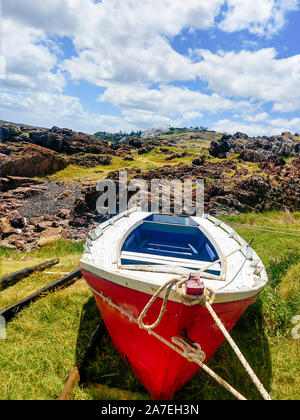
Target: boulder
31 161
16 220
221 148
41 227
49 140
65 195
254 155
90 161
8 132
51 235
64 214
199 161
6 228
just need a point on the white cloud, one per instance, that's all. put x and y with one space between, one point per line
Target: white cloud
285 124
119 41
2 67
256 75
55 16
125 46
30 65
192 115
127 42
168 100
151 61
232 127
259 117
48 109
263 17
270 127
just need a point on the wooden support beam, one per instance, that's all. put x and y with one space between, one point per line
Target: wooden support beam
74 377
13 278
66 281
104 393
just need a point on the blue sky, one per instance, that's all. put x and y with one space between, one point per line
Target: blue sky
230 65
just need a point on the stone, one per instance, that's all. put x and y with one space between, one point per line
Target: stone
65 195
16 220
6 228
199 160
6 244
64 214
41 227
51 235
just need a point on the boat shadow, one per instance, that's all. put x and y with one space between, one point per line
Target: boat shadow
104 365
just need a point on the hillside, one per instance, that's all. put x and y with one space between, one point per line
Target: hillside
48 177
47 205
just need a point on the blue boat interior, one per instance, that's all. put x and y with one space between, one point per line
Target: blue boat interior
169 240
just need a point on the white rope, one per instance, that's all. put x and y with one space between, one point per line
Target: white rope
189 353
265 230
206 300
267 227
168 286
239 354
192 354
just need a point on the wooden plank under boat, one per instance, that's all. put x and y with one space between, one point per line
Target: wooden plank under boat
129 257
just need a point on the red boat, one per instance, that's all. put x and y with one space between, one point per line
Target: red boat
129 258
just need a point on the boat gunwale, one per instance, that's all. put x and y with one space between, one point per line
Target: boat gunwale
134 279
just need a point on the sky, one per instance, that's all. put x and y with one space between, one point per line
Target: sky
111 65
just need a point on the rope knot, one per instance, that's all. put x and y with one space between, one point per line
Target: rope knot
192 352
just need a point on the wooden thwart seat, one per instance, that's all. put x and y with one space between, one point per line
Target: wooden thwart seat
158 259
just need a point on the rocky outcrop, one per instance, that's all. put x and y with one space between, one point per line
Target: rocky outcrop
199 160
13 182
251 174
61 140
51 235
256 149
31 161
90 161
223 147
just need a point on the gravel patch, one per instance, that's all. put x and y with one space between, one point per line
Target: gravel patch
46 204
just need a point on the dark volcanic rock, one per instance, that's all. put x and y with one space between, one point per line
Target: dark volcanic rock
48 140
13 182
59 140
199 161
254 155
90 161
255 149
222 147
8 132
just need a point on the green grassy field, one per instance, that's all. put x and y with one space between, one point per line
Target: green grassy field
148 161
45 339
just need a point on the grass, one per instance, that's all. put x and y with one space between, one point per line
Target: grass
148 161
45 339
